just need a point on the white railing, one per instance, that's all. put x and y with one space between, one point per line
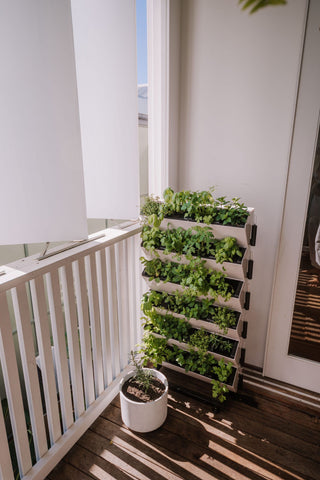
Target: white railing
76 316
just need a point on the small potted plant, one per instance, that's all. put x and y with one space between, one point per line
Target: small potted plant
143 398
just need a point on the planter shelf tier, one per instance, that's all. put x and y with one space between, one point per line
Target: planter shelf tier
237 302
238 331
245 235
232 383
236 270
233 357
238 275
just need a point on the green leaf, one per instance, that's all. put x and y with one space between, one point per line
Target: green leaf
258 4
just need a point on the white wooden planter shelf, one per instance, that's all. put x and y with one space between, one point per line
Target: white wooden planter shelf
234 359
238 274
233 333
235 270
245 234
236 302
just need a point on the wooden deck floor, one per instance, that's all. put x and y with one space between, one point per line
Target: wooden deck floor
253 437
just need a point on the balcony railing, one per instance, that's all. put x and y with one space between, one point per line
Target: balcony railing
67 325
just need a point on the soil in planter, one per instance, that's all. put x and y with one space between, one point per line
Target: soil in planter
132 390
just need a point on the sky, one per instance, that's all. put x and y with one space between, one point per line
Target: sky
141 9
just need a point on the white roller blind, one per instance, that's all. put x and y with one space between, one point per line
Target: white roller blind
42 191
105 49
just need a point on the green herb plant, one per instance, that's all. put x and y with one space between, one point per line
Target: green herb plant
199 279
142 376
188 305
179 329
193 242
198 206
158 351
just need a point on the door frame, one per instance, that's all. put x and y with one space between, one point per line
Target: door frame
278 364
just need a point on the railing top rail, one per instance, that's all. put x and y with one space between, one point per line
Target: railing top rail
28 268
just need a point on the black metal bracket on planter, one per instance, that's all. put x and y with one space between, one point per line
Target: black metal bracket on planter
253 235
242 356
246 305
250 269
244 329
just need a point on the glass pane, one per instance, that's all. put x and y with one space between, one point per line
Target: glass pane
305 330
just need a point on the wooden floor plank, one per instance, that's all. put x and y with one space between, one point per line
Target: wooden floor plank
250 438
95 465
241 458
122 452
237 418
258 454
65 471
161 451
285 411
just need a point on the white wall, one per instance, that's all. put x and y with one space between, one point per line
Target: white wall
238 86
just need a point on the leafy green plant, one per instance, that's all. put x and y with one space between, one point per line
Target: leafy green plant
206 341
231 212
168 326
227 250
219 390
156 350
256 5
186 202
202 207
198 206
201 340
151 206
193 242
179 329
199 279
188 305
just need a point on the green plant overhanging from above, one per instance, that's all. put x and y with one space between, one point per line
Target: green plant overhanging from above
188 305
199 279
200 207
256 5
193 242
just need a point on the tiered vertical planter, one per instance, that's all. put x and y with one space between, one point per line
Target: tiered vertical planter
238 274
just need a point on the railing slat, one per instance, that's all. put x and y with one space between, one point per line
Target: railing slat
45 354
123 298
132 291
113 304
140 287
73 339
60 350
6 471
84 329
104 316
13 389
29 366
91 275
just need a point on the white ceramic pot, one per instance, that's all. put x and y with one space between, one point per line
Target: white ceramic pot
144 417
